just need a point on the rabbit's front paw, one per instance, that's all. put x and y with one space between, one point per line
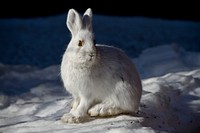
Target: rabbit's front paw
104 110
70 118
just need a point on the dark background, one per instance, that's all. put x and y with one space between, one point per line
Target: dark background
24 51
181 10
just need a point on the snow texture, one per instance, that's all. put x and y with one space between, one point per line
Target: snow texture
32 99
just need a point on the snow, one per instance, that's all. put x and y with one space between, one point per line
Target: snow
32 98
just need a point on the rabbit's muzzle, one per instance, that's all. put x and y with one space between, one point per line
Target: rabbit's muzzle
91 55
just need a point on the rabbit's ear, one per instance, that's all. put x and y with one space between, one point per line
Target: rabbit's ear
74 22
87 19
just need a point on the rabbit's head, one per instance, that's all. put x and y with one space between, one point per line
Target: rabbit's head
81 47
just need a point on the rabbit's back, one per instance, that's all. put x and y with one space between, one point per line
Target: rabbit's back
118 64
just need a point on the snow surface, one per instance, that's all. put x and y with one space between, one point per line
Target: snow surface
32 99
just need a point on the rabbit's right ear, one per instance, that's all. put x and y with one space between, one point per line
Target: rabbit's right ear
87 19
74 22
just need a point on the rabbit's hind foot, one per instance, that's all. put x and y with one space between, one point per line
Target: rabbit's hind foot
69 118
104 110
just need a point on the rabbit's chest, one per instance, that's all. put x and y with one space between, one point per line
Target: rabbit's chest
77 79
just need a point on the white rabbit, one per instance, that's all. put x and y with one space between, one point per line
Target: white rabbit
102 79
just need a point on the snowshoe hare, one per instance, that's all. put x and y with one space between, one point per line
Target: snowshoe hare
102 79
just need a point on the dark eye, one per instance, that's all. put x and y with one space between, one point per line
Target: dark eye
80 43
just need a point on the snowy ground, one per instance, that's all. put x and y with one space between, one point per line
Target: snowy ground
33 99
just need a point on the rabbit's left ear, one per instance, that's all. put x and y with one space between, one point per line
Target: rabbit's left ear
87 19
74 22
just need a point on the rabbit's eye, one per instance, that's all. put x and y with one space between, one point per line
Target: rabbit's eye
80 43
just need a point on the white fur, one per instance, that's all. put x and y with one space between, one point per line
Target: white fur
102 79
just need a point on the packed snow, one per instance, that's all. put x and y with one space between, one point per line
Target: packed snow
33 99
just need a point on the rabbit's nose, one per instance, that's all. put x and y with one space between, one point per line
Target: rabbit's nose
91 55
